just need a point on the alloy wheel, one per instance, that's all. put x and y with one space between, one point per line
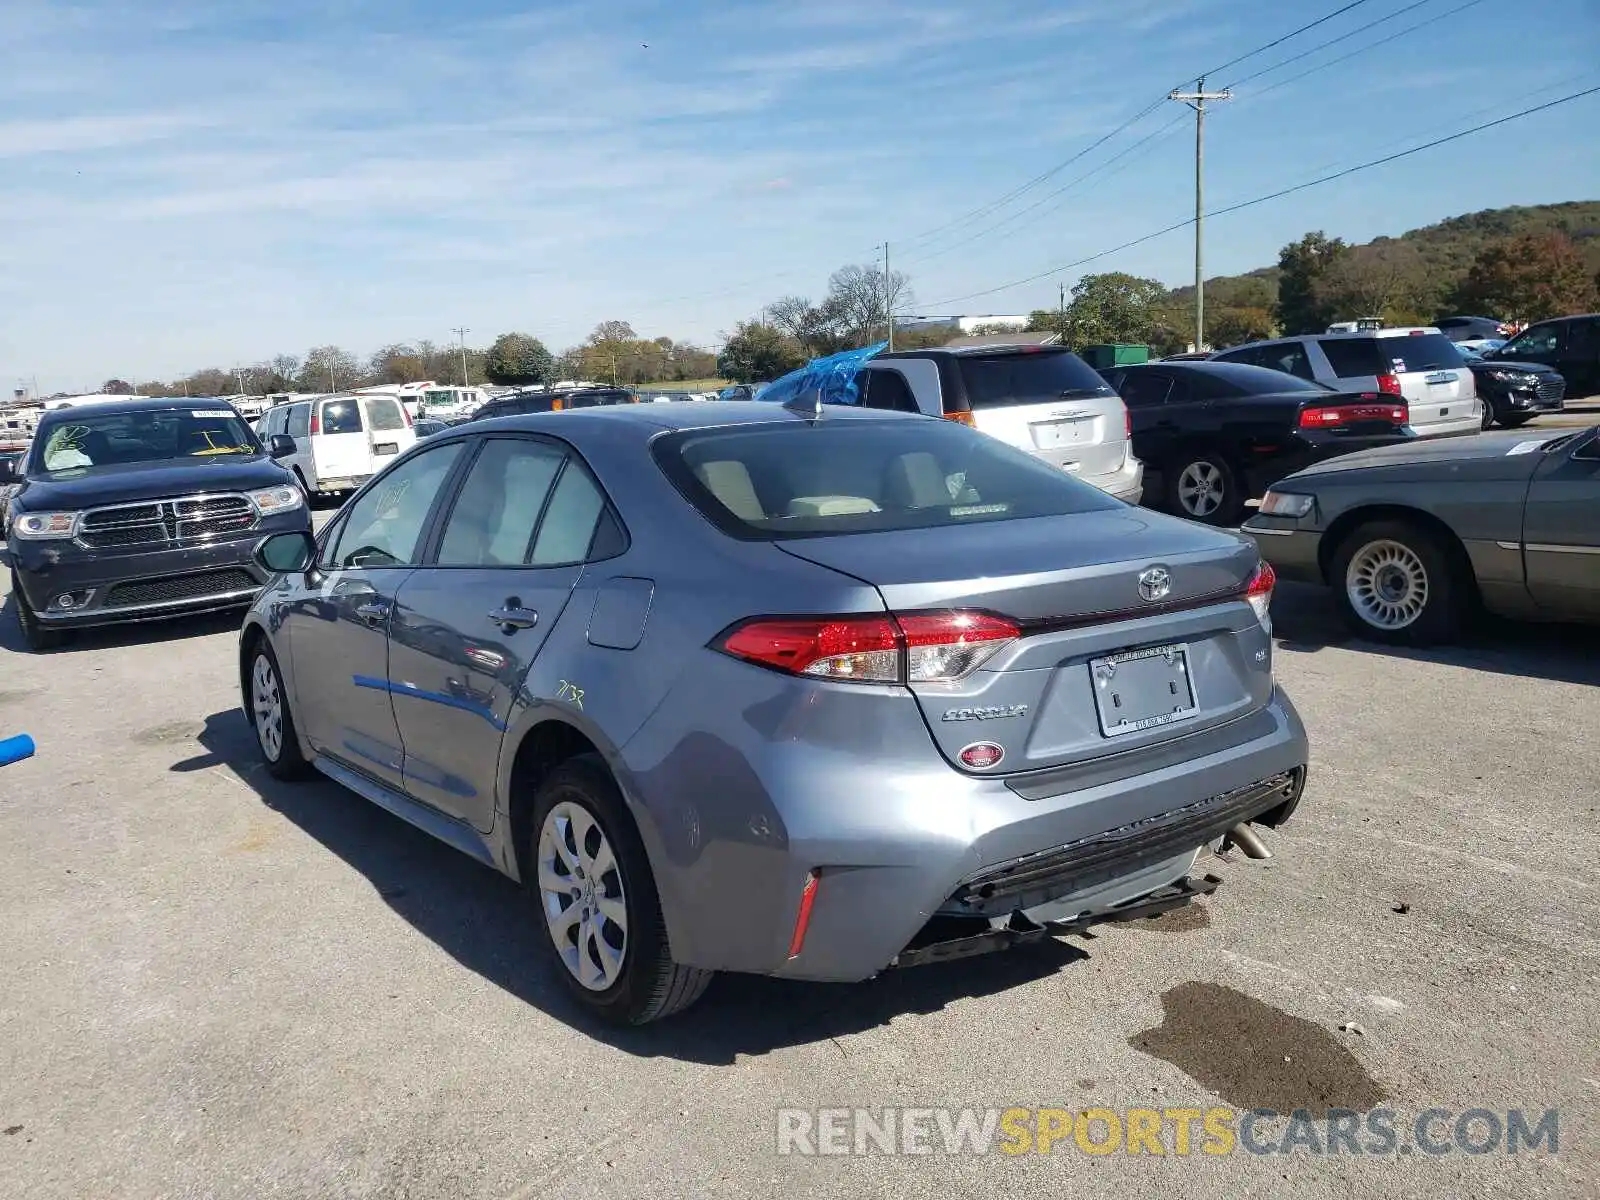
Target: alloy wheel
582 895
1387 585
267 700
1201 489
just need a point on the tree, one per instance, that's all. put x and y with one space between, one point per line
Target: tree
612 331
860 300
1300 266
328 369
757 352
517 358
1049 320
986 328
1114 307
284 369
400 363
816 327
1231 326
1528 278
117 387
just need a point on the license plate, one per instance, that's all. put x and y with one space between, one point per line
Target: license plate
1049 435
1442 377
386 448
1142 689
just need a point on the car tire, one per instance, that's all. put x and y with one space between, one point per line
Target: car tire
581 821
271 719
35 635
1204 488
1397 582
1489 417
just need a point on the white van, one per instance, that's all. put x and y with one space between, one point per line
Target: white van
340 441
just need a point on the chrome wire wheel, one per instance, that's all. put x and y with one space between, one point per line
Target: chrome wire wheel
266 698
1201 489
581 893
1387 584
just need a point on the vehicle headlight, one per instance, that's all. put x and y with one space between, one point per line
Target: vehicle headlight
283 498
1286 504
1514 378
43 525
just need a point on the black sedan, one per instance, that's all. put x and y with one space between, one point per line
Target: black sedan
1514 393
1212 435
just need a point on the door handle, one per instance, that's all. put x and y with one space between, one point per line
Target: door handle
513 616
372 614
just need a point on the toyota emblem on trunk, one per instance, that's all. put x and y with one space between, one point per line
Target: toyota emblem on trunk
1154 583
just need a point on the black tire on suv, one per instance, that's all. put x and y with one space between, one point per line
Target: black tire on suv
37 637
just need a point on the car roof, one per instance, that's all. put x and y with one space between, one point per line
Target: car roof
154 404
652 418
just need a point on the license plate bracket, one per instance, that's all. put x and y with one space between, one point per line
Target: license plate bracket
386 448
1143 689
1068 431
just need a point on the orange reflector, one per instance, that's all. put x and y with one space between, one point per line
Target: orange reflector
962 418
807 898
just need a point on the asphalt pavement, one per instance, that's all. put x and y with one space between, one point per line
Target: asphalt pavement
218 985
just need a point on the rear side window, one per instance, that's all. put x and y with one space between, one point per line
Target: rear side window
299 420
341 416
796 479
1038 377
385 413
569 520
1144 389
492 522
1289 357
1420 352
1351 357
885 388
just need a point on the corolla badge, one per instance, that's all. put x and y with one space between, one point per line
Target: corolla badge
1154 584
985 714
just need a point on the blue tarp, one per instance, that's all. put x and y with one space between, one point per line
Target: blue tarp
834 376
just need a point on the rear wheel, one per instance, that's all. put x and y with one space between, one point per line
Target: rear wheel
1397 582
1204 487
597 901
37 637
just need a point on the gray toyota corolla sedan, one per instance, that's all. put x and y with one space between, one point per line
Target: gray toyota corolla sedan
732 687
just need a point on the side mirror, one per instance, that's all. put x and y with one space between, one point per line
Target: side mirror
282 553
8 471
280 445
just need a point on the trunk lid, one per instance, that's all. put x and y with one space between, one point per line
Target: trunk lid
1102 667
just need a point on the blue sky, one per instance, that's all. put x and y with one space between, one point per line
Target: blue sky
186 184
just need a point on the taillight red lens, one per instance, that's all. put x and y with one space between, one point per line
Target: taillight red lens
802 921
1127 423
1389 385
916 648
316 422
1259 591
1331 416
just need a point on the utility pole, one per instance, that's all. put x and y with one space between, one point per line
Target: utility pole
888 294
239 371
461 333
1063 291
1197 101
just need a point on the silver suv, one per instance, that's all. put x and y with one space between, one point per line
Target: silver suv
1416 362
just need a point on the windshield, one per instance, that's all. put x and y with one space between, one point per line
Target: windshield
107 439
786 480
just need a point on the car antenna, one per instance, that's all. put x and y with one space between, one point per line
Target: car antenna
807 404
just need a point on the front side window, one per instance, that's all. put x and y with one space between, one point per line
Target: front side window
384 525
492 522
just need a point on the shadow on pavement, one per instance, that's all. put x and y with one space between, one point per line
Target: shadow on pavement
1305 621
486 923
102 637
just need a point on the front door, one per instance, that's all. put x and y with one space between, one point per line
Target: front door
469 623
1561 535
338 633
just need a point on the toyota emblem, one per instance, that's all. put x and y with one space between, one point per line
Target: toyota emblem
1154 584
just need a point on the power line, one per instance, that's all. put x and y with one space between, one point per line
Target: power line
1338 12
1299 187
1320 46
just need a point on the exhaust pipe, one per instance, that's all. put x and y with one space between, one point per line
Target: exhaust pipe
1242 836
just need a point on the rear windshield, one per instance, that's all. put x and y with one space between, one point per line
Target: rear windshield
1241 379
341 416
385 413
1420 352
1035 377
793 480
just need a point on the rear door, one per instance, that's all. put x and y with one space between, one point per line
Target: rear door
389 430
339 439
468 625
1561 532
1050 403
1434 378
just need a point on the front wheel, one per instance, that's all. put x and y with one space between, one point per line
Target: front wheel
37 636
271 717
1204 488
1489 417
1399 583
597 901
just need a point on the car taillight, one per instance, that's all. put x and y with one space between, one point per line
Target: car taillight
1331 416
1127 423
316 422
1259 592
915 648
963 417
406 413
1389 385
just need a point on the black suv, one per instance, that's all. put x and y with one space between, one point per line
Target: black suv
137 510
1570 345
517 403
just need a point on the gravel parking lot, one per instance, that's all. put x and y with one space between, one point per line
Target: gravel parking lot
220 985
